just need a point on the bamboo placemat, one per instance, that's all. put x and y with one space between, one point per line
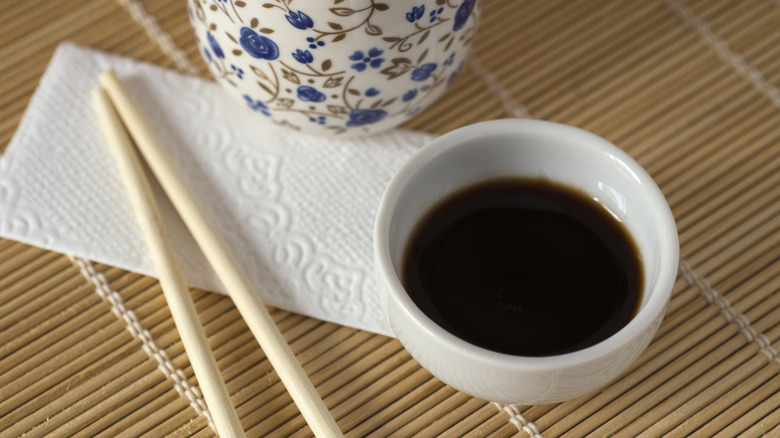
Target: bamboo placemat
691 88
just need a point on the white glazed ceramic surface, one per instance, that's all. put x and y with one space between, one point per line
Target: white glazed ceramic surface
530 149
334 66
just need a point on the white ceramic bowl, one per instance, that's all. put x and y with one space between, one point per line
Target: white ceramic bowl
331 67
538 149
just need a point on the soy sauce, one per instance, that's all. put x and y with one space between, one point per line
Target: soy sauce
524 267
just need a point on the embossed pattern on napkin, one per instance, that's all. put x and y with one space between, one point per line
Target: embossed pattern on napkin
296 210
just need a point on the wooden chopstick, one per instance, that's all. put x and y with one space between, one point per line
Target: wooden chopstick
224 263
171 278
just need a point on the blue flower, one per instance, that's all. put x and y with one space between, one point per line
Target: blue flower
304 57
463 13
371 59
257 45
239 71
310 94
360 117
300 20
409 95
371 92
257 105
214 45
452 77
319 120
449 60
435 14
314 44
415 14
423 72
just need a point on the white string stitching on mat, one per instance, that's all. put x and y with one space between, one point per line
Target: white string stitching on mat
162 38
510 104
518 420
169 48
728 312
134 327
724 52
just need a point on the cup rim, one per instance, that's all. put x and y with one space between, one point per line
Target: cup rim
645 317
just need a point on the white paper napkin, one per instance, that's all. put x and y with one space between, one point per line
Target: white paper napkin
297 210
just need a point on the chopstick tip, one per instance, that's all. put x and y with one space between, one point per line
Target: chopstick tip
99 97
107 76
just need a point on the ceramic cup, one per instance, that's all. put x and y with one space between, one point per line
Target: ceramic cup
332 66
533 149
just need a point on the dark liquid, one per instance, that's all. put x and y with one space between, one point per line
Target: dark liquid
524 267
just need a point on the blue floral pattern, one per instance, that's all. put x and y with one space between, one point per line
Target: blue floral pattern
215 46
448 61
372 59
360 117
258 46
423 72
415 14
303 56
238 71
313 44
300 20
434 14
396 63
257 106
462 14
310 94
